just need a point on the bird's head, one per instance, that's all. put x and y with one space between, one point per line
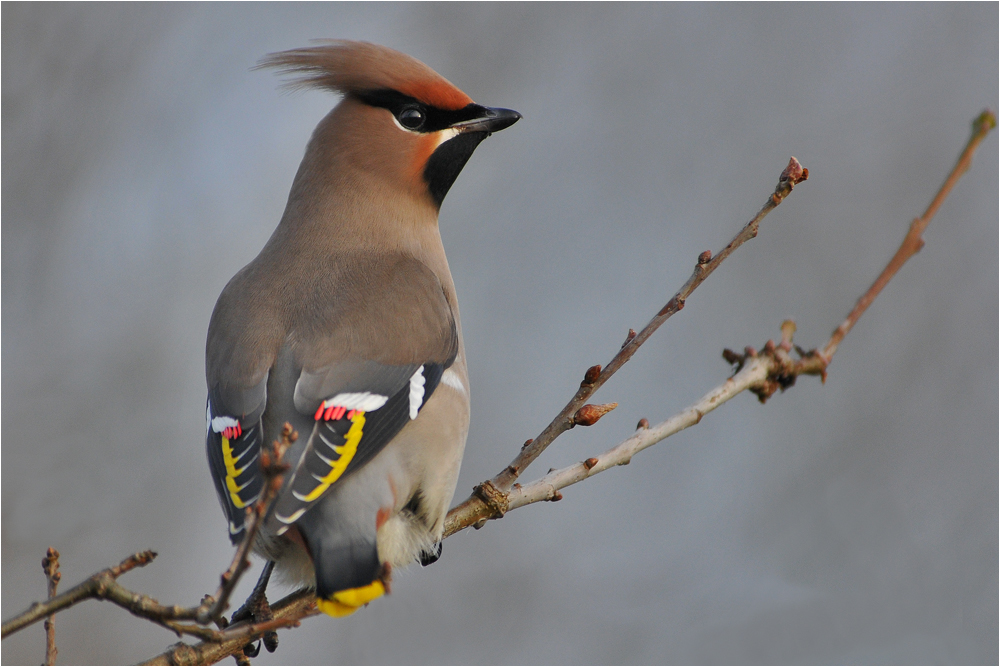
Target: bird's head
399 120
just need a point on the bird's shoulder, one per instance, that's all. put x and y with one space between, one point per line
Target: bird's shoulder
389 308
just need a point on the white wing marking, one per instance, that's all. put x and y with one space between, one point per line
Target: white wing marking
417 392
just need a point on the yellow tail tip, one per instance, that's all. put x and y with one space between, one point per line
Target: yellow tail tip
346 602
334 608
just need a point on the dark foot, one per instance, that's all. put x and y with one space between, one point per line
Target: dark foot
256 609
428 557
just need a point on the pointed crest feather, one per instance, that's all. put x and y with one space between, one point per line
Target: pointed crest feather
346 67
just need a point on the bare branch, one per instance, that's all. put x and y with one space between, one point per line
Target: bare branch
101 586
288 612
764 374
475 508
50 565
547 488
913 242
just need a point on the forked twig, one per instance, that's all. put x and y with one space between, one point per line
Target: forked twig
763 373
490 499
104 585
101 586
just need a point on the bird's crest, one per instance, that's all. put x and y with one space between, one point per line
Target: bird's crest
351 67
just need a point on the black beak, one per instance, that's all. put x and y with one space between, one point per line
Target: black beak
488 120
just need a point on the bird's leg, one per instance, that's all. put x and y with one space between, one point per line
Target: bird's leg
257 609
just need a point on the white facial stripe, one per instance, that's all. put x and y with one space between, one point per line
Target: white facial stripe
442 135
446 134
417 383
451 379
364 400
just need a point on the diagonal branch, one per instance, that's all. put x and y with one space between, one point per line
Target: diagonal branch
488 499
765 373
914 241
287 613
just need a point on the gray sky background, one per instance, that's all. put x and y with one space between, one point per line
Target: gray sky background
144 163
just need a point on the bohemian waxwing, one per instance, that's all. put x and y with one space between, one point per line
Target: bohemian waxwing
346 325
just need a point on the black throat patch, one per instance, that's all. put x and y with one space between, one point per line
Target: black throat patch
445 163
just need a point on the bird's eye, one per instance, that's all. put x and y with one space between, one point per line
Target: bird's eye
411 118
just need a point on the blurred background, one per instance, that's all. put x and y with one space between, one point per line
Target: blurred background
853 522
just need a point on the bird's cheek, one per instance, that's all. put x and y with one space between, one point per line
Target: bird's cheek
424 147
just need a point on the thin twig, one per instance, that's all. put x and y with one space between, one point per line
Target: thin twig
489 498
913 242
50 565
288 612
104 586
547 488
762 373
272 467
101 586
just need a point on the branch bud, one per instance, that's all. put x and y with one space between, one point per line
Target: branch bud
787 331
589 414
629 337
590 377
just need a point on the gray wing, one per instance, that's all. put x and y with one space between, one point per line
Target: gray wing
358 403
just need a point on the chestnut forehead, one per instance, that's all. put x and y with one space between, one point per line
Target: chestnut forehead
438 94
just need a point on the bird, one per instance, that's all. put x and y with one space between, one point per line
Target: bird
346 326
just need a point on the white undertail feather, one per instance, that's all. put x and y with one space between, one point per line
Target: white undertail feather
402 538
451 379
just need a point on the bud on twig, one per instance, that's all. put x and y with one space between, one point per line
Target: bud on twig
629 337
590 377
589 414
731 357
787 331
